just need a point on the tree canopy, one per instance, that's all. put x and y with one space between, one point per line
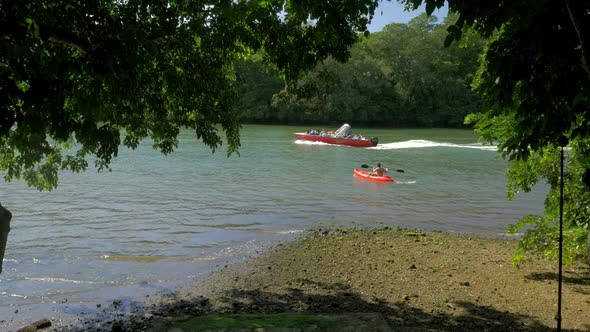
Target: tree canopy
80 78
535 67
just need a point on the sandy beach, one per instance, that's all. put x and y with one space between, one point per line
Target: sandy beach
415 280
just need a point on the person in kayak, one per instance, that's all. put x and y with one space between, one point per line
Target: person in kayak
378 170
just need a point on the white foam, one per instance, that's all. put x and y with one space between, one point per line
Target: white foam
413 144
64 280
304 142
405 182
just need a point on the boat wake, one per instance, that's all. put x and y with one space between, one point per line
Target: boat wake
413 144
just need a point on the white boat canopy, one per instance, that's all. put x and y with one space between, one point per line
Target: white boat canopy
343 131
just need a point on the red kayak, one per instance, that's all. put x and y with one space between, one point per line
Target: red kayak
367 176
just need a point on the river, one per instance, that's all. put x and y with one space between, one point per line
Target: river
156 222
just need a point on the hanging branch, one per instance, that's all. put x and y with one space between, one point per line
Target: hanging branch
580 38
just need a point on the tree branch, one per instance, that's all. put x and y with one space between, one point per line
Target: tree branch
69 43
580 38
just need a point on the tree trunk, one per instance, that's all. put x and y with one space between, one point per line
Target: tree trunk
586 182
5 217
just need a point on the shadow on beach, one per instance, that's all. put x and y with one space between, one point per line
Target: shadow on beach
401 316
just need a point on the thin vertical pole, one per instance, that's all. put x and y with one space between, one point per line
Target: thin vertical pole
560 244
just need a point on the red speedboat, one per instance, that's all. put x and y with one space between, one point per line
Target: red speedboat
342 136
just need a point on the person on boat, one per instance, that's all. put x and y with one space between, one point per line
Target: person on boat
327 134
378 170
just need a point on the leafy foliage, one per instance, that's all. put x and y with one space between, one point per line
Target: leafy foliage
536 65
80 78
541 233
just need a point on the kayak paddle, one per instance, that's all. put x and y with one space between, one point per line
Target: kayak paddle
397 170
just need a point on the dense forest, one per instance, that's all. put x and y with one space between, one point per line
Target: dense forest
402 76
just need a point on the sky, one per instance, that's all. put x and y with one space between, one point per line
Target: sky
393 12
